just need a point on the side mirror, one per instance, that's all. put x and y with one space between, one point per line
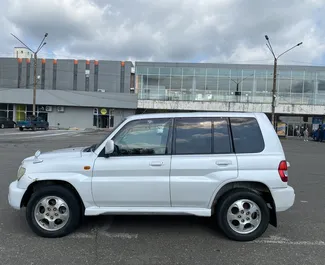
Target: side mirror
109 147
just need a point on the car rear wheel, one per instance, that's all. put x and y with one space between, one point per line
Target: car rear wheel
21 128
53 211
242 215
2 126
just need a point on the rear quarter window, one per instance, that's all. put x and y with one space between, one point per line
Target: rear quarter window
247 135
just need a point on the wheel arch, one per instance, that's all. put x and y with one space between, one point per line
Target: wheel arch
42 183
258 187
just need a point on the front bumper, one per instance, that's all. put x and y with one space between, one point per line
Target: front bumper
284 198
15 195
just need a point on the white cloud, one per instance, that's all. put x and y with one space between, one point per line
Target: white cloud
169 30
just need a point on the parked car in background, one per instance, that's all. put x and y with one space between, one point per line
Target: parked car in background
33 123
7 123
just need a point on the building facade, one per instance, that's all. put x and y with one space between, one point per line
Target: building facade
70 93
300 95
22 52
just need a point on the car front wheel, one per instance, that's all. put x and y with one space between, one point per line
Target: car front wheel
242 215
53 211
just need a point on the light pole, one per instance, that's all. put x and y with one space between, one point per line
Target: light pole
268 44
35 66
237 93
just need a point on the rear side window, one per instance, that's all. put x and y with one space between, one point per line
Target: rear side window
247 135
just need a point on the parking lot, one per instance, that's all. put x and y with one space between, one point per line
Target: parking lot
299 238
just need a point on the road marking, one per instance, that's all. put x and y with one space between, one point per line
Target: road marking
31 132
119 235
39 136
80 235
286 241
47 135
304 201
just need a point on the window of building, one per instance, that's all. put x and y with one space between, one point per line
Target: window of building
221 138
165 71
188 71
193 136
247 135
143 137
141 70
153 71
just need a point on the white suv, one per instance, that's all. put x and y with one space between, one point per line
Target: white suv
229 166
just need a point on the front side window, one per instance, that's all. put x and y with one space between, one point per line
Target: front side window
143 137
193 136
247 135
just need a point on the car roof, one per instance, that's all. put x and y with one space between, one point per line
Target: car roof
194 114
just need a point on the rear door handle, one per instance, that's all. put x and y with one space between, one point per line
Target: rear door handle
223 163
156 163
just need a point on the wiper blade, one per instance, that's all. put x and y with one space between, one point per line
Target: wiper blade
93 147
90 148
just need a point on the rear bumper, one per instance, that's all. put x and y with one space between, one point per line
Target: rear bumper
15 195
284 198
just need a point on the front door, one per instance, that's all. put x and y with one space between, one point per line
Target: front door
137 173
202 160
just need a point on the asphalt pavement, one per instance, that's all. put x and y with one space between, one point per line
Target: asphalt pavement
299 238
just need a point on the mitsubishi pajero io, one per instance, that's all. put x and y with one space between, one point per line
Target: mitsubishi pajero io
228 166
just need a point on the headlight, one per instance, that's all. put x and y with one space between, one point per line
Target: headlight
21 172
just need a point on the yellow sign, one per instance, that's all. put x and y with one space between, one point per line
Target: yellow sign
103 111
281 129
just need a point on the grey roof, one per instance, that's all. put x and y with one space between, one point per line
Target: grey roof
69 98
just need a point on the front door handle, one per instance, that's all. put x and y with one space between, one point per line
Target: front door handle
223 163
156 163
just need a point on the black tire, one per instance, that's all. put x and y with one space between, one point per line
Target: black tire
34 128
72 202
2 126
21 128
225 202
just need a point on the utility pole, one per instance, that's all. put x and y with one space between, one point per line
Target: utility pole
237 93
35 66
269 46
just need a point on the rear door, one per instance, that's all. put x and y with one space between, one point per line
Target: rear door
202 159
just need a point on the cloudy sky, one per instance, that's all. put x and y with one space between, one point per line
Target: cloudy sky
168 30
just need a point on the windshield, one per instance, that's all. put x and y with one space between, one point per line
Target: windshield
94 146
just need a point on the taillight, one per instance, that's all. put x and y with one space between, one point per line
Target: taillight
283 173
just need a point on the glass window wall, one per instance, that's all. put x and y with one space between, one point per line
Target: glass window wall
235 84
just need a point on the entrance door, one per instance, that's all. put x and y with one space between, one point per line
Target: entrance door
137 173
103 121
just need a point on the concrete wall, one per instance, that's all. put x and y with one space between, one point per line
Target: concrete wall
81 117
69 74
231 106
72 117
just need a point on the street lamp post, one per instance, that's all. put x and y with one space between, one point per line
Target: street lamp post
35 65
275 74
237 93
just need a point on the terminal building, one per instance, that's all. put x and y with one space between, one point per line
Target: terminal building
70 93
300 95
85 94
